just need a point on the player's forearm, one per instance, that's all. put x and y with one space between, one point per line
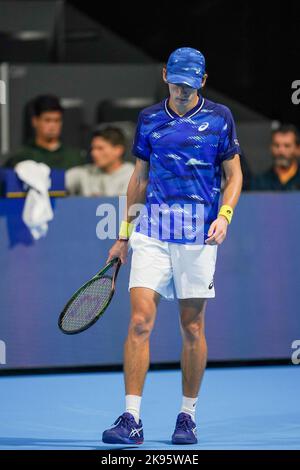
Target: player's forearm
232 190
233 183
136 194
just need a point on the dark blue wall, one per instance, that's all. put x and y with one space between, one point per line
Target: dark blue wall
255 313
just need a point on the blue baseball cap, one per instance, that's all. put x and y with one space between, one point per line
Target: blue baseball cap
186 65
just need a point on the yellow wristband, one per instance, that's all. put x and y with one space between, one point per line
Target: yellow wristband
126 229
227 212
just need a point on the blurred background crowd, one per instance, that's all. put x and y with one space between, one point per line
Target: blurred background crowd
81 120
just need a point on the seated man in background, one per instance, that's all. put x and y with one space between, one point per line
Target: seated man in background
284 174
107 175
47 121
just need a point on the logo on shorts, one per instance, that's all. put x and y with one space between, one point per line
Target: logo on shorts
211 285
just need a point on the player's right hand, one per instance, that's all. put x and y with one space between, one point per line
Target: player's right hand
118 250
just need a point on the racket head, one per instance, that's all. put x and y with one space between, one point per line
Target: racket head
89 302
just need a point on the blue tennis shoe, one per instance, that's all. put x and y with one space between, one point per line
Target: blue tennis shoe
185 430
125 430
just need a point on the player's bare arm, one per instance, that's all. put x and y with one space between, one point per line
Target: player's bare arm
136 194
233 186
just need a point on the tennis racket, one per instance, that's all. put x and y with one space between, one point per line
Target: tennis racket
90 301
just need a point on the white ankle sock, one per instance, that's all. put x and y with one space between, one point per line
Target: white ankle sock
189 406
133 405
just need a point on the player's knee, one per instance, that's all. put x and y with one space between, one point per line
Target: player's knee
193 331
140 326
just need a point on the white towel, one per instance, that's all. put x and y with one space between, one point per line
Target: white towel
37 210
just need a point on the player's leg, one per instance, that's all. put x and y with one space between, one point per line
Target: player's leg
144 302
193 268
150 278
129 428
193 363
194 350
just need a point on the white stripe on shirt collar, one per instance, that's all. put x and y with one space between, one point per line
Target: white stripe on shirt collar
197 110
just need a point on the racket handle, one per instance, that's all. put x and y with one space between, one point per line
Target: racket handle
112 262
119 264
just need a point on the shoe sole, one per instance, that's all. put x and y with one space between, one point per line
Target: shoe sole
183 442
121 441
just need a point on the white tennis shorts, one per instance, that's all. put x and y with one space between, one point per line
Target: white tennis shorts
185 270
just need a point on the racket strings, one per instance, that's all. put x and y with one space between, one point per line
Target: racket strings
87 304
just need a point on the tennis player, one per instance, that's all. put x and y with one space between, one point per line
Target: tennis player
181 145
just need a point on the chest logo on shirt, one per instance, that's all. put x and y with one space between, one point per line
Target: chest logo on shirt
203 126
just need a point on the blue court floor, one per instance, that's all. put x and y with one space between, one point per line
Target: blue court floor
239 408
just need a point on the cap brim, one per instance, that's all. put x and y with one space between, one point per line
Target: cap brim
185 80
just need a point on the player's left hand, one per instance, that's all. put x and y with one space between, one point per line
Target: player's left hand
217 231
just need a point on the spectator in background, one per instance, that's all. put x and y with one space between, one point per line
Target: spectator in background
47 121
284 175
107 175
